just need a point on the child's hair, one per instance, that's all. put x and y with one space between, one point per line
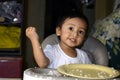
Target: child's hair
71 14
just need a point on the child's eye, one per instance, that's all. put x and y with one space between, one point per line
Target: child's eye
71 28
81 32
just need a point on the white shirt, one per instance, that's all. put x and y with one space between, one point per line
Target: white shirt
57 57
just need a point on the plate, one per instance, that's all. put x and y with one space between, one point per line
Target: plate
88 71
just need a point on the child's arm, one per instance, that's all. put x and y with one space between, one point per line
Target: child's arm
39 55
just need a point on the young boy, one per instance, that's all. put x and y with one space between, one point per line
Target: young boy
71 29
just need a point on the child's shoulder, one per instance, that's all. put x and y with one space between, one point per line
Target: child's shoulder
51 46
80 50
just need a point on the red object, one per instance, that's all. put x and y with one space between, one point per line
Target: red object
10 67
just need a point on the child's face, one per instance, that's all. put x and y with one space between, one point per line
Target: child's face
72 32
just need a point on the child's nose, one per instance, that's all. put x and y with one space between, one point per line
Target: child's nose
75 34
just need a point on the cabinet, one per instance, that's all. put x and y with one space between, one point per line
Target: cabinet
11 26
11 37
10 67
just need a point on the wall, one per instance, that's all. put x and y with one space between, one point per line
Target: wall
103 8
34 16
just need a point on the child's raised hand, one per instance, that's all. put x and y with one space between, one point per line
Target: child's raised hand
31 33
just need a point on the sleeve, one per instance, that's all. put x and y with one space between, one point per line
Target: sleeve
84 57
49 50
87 58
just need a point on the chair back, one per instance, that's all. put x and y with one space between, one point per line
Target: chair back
96 51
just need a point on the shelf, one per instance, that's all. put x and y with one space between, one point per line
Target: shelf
10 79
11 25
19 1
11 67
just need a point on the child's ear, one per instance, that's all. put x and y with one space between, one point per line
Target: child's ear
58 31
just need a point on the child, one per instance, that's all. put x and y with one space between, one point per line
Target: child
71 29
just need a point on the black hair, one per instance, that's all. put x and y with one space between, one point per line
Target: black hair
71 14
